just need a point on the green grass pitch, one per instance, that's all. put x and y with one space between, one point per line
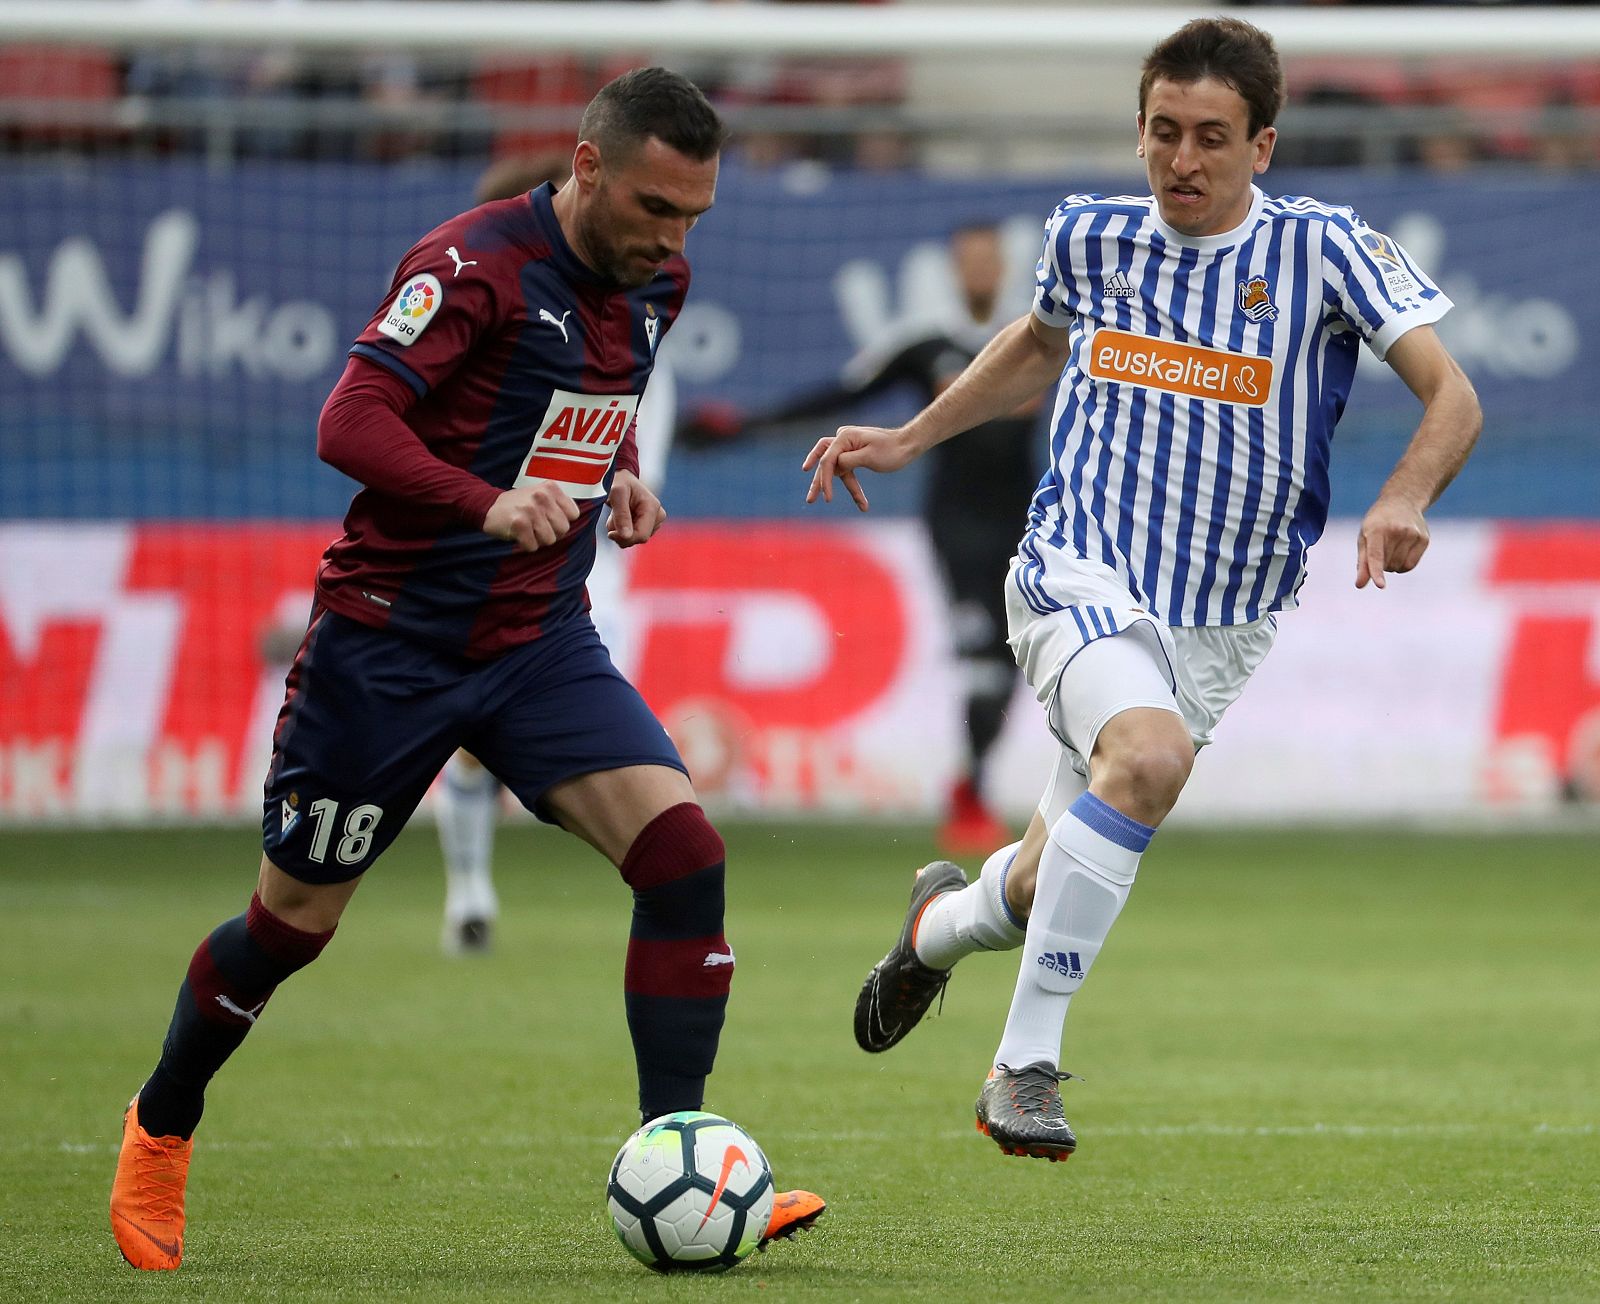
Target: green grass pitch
1320 1066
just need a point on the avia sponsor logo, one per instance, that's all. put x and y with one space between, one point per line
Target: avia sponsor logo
577 440
195 319
1188 369
1063 962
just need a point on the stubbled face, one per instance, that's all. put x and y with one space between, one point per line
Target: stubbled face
1199 155
980 266
635 213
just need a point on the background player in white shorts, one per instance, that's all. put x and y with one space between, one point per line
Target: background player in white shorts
1203 339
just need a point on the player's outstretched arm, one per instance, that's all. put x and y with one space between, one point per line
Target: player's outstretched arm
1014 368
636 512
1394 534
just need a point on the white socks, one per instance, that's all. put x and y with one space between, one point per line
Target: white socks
976 918
1085 875
467 805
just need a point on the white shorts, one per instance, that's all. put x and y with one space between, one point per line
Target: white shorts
1206 667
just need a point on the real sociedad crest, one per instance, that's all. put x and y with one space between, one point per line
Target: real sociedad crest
1255 302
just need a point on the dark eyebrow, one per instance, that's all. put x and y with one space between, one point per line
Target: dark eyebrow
1221 123
651 197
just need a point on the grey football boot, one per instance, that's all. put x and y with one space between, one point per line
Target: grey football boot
1020 1111
900 988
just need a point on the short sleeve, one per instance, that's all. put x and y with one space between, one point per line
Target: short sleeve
1375 287
442 301
1052 280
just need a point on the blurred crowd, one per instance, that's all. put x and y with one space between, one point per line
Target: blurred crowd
1437 112
300 104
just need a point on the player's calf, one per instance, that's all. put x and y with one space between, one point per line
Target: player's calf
231 976
679 965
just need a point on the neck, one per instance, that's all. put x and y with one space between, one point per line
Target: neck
565 206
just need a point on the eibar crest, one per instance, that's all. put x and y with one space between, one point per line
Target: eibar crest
1255 300
652 327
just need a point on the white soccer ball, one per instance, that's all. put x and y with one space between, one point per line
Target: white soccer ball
690 1192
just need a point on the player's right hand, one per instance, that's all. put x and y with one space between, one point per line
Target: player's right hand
854 448
531 517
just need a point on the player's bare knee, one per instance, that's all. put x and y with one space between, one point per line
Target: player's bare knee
310 907
1144 778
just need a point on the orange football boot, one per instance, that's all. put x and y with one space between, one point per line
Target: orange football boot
792 1211
147 1195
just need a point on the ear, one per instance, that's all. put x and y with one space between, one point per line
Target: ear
1138 120
586 165
1263 146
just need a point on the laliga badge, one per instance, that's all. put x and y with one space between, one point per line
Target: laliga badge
413 309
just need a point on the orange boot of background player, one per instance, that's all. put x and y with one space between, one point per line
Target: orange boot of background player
970 828
147 1195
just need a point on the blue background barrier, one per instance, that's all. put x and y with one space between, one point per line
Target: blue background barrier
168 331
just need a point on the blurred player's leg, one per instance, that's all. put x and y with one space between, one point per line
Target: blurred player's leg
973 560
467 804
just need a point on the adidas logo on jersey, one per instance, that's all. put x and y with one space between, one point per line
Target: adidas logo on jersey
1117 287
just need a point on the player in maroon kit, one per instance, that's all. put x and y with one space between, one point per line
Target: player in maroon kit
488 411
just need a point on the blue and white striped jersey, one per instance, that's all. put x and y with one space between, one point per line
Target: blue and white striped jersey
1191 433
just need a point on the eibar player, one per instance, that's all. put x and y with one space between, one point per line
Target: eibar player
973 535
488 411
1202 340
467 798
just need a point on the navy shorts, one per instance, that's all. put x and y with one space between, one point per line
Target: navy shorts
370 718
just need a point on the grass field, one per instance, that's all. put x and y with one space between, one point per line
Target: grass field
1320 1067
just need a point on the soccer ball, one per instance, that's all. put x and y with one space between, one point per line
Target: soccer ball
690 1192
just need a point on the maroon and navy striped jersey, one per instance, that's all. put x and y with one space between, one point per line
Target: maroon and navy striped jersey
499 358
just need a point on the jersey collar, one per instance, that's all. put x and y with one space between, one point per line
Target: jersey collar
1223 240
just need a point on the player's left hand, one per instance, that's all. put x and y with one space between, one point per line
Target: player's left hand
1393 537
636 513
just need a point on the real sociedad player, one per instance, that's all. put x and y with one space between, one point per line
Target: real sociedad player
1202 340
487 410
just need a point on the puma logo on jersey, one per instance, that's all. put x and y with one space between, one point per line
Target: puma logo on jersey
249 1016
560 323
715 958
456 258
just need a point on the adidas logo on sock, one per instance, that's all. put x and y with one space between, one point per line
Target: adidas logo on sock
1065 962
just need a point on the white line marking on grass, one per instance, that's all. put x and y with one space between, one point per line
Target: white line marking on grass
529 1141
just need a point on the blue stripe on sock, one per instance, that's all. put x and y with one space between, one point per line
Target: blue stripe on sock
1111 824
1006 905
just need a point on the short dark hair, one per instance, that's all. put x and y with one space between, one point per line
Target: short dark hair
646 102
1231 50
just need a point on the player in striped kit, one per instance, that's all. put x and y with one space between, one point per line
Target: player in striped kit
487 410
1202 339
